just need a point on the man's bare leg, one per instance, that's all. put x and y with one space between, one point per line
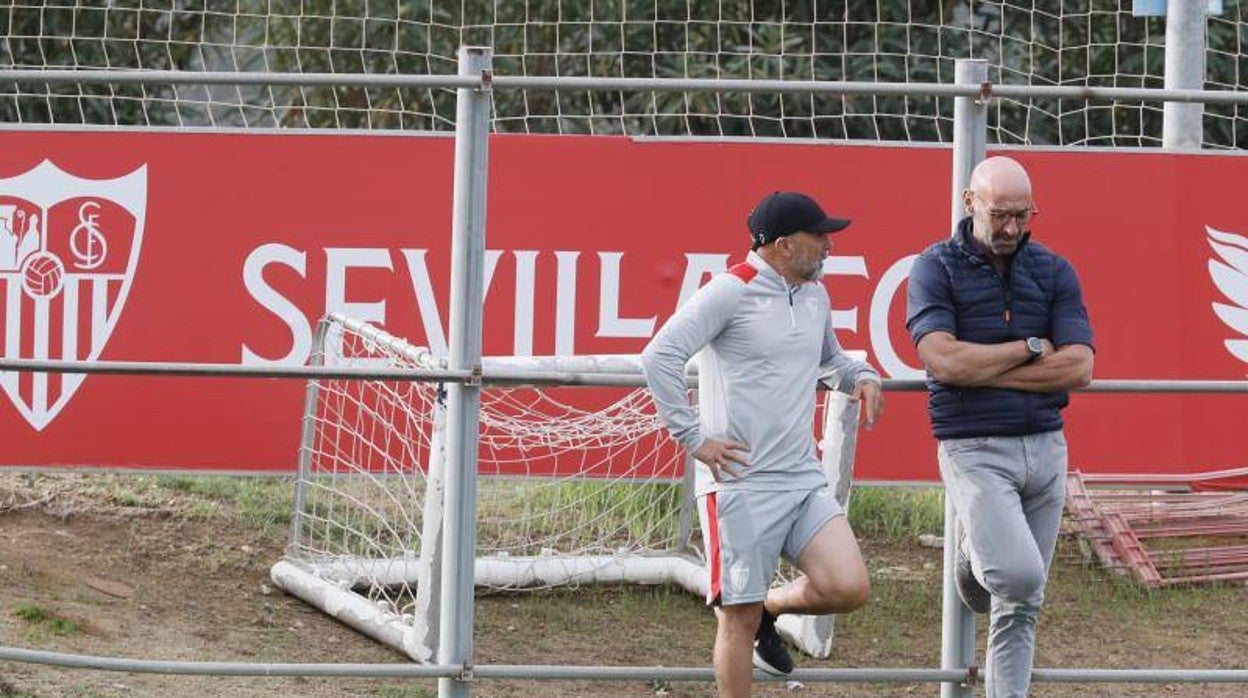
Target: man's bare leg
734 648
834 578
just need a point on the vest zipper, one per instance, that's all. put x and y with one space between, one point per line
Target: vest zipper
1009 301
1007 290
792 316
1008 281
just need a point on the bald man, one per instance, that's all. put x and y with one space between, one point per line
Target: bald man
1000 324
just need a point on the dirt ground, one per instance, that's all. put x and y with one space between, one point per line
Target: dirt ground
81 573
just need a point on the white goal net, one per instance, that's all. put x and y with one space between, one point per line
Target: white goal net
1071 43
577 486
567 495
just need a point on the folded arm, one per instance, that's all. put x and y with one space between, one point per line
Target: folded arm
967 364
1067 368
1005 365
931 316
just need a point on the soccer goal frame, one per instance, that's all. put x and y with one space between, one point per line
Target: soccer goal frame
365 543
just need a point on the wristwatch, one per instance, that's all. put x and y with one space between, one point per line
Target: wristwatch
1035 347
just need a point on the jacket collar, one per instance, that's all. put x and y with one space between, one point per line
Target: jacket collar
965 243
766 271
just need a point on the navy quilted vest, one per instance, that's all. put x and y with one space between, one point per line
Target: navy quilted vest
991 308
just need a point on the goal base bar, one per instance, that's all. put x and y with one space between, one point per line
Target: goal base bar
405 634
329 588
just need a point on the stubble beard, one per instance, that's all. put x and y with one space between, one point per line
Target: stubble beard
816 271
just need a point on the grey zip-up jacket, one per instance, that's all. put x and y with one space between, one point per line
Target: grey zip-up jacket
763 345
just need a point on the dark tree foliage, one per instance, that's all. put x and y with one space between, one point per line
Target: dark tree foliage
1090 42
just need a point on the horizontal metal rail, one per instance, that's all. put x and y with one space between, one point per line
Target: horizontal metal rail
511 377
1140 675
205 370
597 673
1165 386
540 82
1158 480
487 671
259 79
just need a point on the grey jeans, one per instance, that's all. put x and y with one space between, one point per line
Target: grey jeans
1008 492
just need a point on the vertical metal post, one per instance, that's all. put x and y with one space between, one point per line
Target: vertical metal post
970 137
429 582
957 622
689 482
970 131
472 126
687 499
840 439
308 433
1186 22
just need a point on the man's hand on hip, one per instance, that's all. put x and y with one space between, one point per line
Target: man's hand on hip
872 398
721 455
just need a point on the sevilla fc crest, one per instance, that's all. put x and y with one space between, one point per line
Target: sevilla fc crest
68 250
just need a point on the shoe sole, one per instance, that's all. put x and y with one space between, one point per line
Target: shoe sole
977 608
978 600
974 596
762 665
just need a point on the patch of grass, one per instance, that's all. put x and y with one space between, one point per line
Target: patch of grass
262 502
46 622
897 512
132 492
659 598
30 614
127 497
405 692
63 626
203 509
624 603
1094 590
218 487
565 515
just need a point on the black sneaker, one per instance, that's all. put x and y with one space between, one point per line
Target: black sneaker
770 654
973 594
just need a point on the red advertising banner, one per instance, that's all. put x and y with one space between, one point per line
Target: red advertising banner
229 247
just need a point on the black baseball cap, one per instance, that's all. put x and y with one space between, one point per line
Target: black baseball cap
783 213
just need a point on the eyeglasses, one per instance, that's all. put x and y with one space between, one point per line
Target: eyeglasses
1021 216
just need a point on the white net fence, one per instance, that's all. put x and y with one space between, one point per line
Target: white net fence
1068 43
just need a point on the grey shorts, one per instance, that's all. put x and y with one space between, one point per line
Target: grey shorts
746 531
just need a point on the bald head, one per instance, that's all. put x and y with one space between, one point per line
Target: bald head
1000 203
1000 175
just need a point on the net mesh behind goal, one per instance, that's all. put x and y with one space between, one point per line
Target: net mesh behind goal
1077 43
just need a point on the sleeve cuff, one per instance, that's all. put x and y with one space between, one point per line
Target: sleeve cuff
869 375
692 441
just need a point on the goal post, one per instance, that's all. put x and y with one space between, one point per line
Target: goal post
579 485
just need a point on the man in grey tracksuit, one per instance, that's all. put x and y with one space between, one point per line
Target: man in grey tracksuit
764 333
